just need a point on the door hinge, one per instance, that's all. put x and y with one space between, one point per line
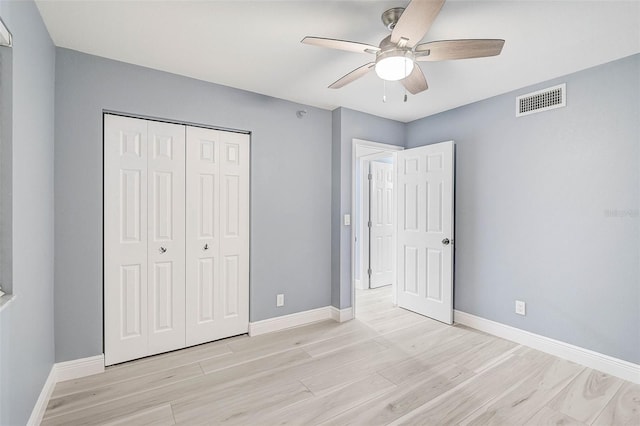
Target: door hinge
369 224
369 272
370 176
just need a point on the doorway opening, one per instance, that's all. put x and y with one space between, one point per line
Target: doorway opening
373 229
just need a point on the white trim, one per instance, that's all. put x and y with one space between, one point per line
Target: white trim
288 321
341 315
43 400
60 372
77 368
605 363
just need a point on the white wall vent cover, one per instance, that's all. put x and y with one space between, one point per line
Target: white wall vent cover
542 100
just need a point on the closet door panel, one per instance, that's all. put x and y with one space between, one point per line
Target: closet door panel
166 237
125 238
234 239
217 234
202 233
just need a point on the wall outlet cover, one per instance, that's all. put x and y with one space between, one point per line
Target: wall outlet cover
280 300
520 307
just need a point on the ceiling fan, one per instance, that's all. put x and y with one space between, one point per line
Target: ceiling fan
397 54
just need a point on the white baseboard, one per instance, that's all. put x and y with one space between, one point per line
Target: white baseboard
77 368
43 400
288 321
60 372
605 363
300 318
341 315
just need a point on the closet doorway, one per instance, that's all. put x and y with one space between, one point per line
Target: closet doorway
176 236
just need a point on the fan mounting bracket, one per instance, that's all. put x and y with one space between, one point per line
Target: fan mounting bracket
390 17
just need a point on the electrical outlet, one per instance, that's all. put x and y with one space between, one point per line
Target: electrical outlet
520 307
280 300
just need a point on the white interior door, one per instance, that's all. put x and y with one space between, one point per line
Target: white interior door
217 234
166 236
381 225
425 179
125 238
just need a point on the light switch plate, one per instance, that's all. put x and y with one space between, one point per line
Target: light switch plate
347 219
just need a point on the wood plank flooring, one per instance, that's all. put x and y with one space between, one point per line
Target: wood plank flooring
389 366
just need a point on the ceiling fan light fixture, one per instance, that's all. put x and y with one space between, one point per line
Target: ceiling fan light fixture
394 65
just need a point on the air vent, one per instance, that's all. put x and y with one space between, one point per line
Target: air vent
542 100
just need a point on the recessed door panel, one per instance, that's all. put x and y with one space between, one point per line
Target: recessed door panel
410 211
434 275
206 290
161 296
231 205
411 284
435 193
131 294
130 143
231 282
130 206
162 146
207 206
162 191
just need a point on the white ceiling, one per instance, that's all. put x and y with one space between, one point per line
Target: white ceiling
255 45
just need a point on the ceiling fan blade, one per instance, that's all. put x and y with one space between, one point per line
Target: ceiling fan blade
416 20
353 75
444 50
350 46
416 81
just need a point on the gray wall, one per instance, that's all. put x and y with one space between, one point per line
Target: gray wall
348 125
26 324
290 187
533 202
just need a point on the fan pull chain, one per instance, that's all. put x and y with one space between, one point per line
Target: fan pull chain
384 91
405 89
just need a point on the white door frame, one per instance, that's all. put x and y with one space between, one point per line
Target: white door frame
361 148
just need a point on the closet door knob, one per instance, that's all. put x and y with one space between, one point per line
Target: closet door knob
206 246
162 250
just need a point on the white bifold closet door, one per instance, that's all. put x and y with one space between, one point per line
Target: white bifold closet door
217 255
176 236
143 237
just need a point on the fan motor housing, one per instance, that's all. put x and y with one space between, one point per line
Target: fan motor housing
390 17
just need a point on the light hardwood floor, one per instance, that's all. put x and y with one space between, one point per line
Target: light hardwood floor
389 366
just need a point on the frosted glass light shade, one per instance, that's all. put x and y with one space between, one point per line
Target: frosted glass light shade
394 68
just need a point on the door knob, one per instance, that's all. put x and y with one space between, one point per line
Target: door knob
162 250
206 247
446 241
